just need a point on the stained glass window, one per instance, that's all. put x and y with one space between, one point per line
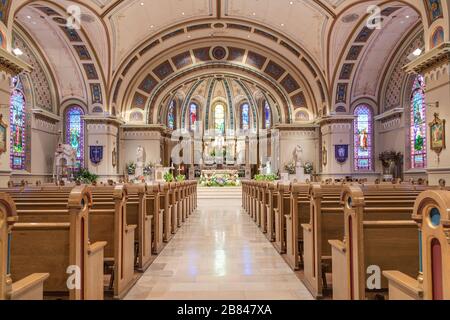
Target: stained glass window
363 138
171 121
17 126
418 124
193 115
219 118
75 131
245 116
267 116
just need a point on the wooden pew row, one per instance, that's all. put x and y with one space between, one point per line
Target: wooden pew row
299 214
431 214
108 221
326 221
379 234
32 286
53 236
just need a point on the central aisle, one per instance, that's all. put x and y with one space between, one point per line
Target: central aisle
219 254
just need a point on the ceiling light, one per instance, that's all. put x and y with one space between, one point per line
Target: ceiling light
254 13
28 17
17 52
407 17
182 13
282 24
142 3
291 3
417 52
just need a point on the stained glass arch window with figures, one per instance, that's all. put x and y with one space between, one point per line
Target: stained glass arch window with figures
193 115
418 125
171 120
18 119
219 118
245 116
267 115
363 136
75 131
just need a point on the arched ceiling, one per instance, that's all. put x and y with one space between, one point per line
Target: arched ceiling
314 36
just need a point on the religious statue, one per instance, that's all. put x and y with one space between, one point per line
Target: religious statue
268 168
140 161
298 156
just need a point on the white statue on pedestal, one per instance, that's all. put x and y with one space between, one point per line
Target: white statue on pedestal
298 156
268 168
140 161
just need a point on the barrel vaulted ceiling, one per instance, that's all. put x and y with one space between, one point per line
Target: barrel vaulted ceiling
319 34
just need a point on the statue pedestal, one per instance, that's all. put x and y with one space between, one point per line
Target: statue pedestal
300 175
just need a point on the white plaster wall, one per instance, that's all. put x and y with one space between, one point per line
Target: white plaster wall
44 138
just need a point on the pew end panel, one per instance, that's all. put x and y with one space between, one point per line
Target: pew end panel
402 287
29 288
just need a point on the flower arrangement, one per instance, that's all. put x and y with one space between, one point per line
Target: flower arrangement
220 180
131 168
148 169
168 177
308 168
290 167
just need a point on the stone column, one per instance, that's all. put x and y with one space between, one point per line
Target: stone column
102 131
10 66
336 130
434 65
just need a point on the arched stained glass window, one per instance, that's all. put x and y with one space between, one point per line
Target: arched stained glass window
418 124
219 118
17 126
245 116
75 131
193 115
363 138
171 119
267 115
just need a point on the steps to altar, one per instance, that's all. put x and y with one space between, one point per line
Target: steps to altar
228 193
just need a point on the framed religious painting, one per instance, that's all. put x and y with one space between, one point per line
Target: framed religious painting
437 134
3 134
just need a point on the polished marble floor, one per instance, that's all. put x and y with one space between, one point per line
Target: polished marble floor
219 254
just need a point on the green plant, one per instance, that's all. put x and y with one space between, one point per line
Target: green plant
181 178
86 177
168 177
266 177
131 168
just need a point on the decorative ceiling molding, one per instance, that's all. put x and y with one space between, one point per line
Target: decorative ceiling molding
11 64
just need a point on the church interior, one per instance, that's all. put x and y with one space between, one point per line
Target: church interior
222 149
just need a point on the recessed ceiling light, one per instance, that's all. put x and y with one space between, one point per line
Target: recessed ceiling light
282 24
291 3
182 13
29 17
254 13
142 3
417 52
407 17
17 52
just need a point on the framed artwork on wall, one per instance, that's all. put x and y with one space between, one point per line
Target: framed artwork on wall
437 134
3 134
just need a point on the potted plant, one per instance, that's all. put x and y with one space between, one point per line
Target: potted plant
168 177
86 177
131 168
181 178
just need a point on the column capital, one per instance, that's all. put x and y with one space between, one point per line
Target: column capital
430 60
11 64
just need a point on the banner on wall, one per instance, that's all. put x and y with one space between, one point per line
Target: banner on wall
341 153
96 154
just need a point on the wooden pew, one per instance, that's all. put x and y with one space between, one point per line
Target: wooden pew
138 214
431 213
299 214
272 205
53 236
108 221
153 208
167 211
283 209
263 207
32 286
378 233
326 222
